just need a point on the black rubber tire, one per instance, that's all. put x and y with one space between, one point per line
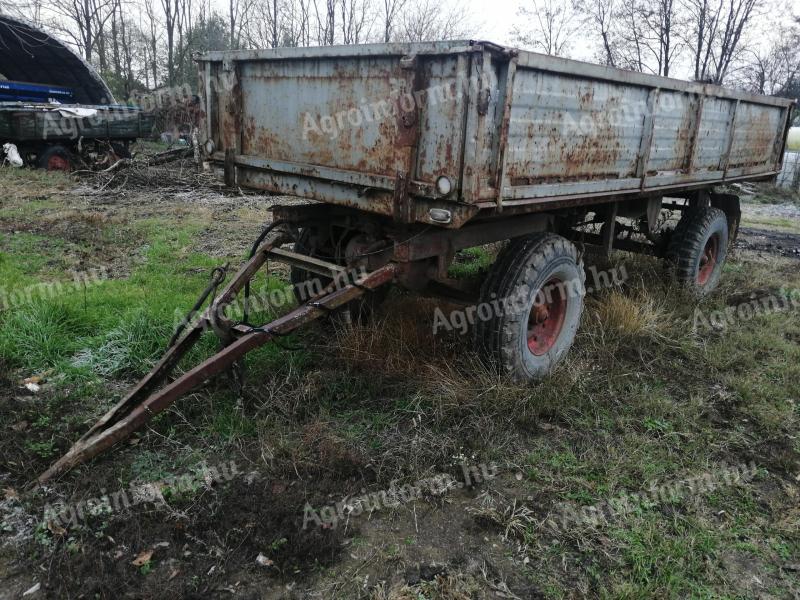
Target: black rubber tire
687 246
121 149
521 270
298 276
500 266
53 151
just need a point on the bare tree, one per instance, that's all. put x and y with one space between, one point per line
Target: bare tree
170 10
265 31
30 10
239 15
297 28
126 49
116 16
703 16
427 20
774 70
738 15
325 19
82 21
660 22
391 12
118 73
356 20
631 47
151 35
600 15
552 24
280 23
717 34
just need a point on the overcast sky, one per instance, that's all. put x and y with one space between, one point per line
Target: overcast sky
494 21
498 17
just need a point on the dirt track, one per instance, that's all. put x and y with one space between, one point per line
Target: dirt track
765 241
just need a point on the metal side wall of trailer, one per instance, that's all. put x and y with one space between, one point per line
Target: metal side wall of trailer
400 129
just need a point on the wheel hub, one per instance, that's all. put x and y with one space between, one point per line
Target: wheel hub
57 163
546 319
708 260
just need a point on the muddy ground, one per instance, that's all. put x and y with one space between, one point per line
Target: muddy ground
766 242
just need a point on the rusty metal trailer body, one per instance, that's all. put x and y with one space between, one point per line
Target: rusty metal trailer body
473 128
414 151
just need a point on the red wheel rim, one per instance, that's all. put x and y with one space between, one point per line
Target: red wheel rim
708 260
547 317
57 163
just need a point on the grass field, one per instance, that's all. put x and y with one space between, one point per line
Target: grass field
611 478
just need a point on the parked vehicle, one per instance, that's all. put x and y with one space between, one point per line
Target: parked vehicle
411 152
59 137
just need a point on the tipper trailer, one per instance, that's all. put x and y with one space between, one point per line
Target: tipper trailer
58 137
411 152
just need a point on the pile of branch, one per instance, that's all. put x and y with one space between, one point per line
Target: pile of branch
173 171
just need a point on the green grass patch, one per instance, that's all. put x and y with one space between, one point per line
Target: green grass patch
471 262
26 259
110 328
778 223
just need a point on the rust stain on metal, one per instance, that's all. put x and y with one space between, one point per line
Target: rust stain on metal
558 126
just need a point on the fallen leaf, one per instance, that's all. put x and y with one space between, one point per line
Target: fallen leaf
56 529
34 379
32 590
10 493
32 387
143 558
263 560
21 426
173 573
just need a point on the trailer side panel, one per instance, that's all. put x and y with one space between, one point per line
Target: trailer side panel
465 127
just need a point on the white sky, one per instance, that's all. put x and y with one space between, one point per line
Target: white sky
498 18
495 20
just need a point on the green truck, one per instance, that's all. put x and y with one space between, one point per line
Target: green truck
66 136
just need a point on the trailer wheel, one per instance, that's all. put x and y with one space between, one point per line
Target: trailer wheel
55 158
120 149
306 284
698 248
531 305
